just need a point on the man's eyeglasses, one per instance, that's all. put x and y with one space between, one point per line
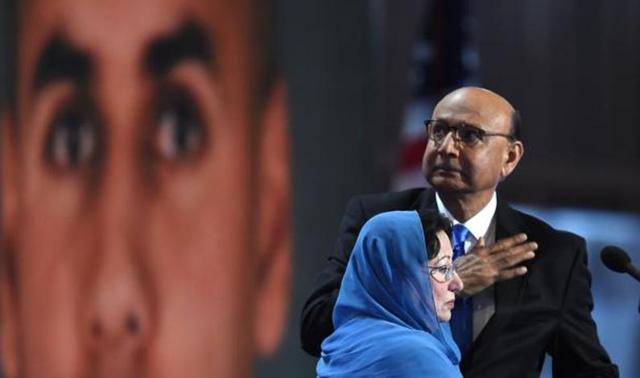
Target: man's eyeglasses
443 273
437 130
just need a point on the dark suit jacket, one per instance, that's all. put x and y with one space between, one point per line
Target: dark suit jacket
546 310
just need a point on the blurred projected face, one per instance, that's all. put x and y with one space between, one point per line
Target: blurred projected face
138 244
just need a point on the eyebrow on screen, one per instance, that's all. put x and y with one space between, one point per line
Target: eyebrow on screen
188 41
60 60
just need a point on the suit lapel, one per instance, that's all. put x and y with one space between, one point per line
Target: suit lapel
425 200
508 295
509 292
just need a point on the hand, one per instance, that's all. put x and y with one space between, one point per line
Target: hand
484 265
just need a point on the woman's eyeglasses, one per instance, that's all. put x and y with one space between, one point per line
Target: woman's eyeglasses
442 273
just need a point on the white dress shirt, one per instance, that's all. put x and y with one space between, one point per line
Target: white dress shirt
483 224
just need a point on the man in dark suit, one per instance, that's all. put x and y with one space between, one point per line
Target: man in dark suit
520 307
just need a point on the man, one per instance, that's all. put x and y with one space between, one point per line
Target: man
135 242
521 307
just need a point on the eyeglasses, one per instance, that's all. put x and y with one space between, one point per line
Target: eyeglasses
442 273
437 130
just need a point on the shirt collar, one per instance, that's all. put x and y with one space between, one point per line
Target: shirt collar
477 224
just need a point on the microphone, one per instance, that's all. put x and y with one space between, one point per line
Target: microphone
617 260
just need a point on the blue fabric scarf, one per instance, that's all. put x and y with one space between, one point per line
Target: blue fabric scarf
385 319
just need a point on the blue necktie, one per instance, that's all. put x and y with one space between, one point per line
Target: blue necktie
462 314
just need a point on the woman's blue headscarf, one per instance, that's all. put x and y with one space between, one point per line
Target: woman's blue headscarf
385 319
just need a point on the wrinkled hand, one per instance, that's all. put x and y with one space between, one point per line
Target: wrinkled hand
484 265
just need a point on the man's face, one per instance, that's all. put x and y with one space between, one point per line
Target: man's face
136 226
453 168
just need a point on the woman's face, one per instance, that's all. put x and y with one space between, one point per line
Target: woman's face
443 290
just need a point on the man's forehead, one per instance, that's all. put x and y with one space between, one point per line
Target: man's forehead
476 106
118 34
118 24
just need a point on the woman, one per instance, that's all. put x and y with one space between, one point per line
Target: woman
395 301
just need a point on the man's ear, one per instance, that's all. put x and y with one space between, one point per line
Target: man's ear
8 340
274 224
512 158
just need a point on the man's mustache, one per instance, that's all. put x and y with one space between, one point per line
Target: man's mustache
447 166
